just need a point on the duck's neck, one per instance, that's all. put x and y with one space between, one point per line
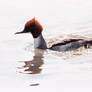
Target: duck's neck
39 42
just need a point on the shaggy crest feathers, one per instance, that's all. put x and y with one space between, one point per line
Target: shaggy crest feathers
36 23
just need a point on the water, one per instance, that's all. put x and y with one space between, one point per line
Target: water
24 69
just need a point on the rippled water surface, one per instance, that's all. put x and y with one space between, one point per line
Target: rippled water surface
23 68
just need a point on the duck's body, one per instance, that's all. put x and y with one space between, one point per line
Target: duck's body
65 45
73 43
70 46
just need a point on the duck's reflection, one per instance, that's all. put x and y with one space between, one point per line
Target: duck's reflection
34 66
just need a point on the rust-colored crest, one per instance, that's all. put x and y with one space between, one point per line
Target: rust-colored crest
36 23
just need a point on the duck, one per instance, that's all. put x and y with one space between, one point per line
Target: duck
74 42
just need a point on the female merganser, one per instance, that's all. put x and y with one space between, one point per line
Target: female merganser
35 28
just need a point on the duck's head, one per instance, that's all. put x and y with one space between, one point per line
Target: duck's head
33 27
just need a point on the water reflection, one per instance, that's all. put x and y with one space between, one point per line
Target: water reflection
34 66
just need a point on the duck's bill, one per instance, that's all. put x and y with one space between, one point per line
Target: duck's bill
20 32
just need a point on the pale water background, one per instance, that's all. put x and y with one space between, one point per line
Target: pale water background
70 72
